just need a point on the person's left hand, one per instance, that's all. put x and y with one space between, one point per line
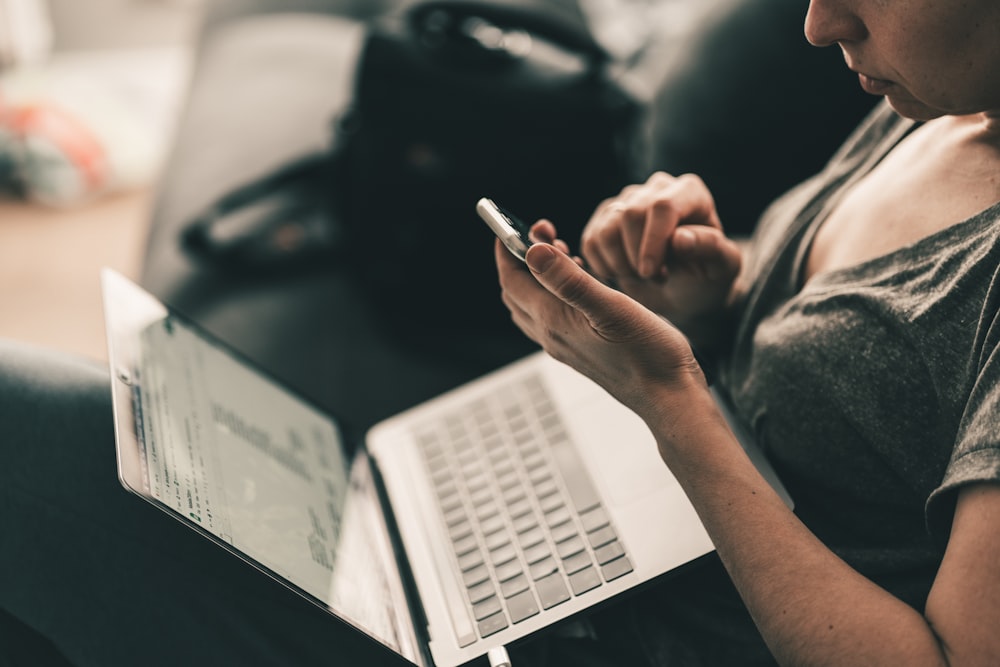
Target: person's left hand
624 347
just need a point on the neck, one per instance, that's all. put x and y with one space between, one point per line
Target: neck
983 127
991 122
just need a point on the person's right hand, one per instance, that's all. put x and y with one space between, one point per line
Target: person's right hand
661 243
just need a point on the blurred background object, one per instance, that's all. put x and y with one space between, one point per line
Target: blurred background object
87 109
89 114
25 32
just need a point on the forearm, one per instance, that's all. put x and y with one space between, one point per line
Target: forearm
811 607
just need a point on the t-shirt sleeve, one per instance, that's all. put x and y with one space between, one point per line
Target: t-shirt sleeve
976 457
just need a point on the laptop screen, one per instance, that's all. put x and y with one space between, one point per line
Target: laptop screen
262 471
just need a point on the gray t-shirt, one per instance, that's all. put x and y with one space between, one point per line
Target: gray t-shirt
874 389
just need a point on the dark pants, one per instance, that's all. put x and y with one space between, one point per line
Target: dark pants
108 578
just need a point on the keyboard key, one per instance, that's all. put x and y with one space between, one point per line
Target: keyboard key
465 544
470 560
441 476
497 539
512 495
571 546
437 462
514 586
492 625
576 562
483 495
546 488
503 554
487 607
594 519
523 436
563 532
521 606
519 508
475 575
539 476
551 590
525 522
493 441
530 537
502 463
508 480
542 568
558 516
581 490
486 510
616 568
609 552
481 591
601 536
584 580
460 530
455 516
537 552
534 460
509 570
551 422
551 503
451 503
492 524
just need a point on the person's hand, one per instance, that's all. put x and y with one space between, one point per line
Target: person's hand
661 242
627 349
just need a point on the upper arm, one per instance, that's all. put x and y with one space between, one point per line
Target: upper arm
964 604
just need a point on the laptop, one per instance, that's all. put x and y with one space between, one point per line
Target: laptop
455 529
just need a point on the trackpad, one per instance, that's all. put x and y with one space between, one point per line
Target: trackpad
620 449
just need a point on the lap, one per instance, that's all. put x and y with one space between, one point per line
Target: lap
107 577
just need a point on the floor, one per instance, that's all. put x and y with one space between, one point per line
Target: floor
50 258
50 262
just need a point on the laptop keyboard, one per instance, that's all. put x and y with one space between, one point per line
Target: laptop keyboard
527 526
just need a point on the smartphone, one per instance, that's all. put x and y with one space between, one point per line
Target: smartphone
508 228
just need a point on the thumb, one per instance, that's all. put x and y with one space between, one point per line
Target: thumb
570 283
717 256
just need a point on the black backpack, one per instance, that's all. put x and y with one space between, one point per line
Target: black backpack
454 101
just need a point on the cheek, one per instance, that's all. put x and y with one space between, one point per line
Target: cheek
952 62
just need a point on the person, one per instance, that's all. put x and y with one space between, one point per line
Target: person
860 339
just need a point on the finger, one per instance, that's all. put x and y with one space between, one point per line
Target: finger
542 231
516 280
716 255
562 277
686 201
505 261
632 228
603 245
508 266
518 315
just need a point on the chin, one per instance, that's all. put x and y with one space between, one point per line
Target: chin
913 109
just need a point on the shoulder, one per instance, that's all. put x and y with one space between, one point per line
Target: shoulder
976 455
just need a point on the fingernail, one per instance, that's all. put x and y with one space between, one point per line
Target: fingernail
540 257
684 238
646 267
